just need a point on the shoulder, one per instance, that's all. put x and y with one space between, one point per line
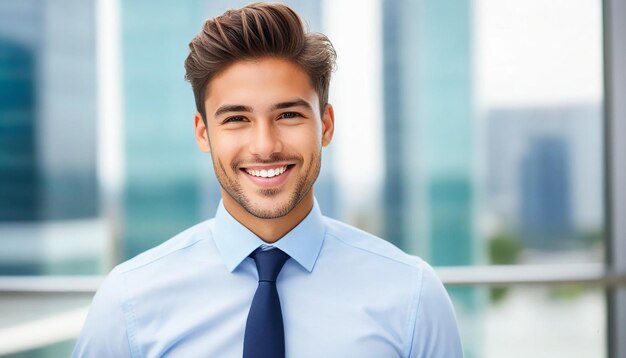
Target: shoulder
377 254
115 290
410 281
435 329
110 327
184 241
357 240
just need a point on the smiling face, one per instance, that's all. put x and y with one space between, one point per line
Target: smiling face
265 135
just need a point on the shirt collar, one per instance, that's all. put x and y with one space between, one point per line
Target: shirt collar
235 242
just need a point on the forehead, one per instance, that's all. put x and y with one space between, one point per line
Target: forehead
259 82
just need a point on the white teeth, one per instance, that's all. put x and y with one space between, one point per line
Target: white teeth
267 173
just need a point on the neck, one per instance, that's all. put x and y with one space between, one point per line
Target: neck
269 230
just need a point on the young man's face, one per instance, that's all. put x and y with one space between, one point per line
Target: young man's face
265 135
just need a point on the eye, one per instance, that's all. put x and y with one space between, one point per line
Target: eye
234 119
289 115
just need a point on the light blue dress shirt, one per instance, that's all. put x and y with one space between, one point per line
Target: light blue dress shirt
344 293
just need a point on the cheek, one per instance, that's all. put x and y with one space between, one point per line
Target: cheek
304 139
224 147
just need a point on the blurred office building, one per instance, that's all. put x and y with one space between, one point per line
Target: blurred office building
427 128
429 185
545 174
48 184
545 195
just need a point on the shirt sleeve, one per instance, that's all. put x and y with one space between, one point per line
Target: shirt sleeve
105 333
436 334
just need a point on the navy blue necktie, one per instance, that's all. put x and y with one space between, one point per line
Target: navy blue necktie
265 334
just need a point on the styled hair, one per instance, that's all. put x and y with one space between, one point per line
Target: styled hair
255 31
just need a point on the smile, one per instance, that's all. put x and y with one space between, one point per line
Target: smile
267 173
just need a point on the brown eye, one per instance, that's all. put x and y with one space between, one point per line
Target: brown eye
288 115
234 119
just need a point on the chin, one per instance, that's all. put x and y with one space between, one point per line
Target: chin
270 207
264 212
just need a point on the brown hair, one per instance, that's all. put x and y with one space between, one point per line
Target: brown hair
254 31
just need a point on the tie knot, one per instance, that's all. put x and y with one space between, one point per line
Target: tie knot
269 263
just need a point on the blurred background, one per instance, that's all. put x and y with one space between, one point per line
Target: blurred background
468 132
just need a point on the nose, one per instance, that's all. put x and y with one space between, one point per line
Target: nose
265 140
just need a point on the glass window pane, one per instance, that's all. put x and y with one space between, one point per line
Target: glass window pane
40 324
467 132
493 130
539 101
50 219
525 321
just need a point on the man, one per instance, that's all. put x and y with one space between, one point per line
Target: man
269 276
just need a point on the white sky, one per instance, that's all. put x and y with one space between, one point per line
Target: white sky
356 91
530 52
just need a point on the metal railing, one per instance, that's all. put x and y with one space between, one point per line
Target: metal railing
552 274
13 339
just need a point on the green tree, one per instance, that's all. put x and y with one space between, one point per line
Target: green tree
504 249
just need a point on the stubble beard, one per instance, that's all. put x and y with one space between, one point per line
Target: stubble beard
303 187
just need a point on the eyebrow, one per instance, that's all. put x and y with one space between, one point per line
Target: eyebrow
232 108
282 105
294 103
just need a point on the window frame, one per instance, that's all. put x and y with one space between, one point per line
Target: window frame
615 167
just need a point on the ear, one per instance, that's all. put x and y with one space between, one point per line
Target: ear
328 125
202 136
